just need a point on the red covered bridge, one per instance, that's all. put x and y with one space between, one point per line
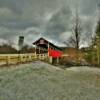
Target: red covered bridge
51 51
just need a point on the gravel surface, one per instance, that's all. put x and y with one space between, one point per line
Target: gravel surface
41 81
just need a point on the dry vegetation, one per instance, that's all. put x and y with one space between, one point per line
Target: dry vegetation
8 49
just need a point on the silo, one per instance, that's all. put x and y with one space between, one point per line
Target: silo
21 42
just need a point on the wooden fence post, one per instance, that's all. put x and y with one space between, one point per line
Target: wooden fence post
51 60
20 59
8 60
30 59
57 60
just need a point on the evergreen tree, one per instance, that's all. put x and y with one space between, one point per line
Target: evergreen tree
98 29
97 41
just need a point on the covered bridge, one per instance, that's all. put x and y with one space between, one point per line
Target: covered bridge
43 46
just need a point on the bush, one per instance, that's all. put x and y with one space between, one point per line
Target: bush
27 49
68 61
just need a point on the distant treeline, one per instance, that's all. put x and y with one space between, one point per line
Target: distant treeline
8 49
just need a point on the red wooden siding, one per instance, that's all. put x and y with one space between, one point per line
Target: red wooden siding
55 53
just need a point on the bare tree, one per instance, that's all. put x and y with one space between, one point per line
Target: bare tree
74 40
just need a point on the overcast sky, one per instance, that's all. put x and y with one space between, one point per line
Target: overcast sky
51 18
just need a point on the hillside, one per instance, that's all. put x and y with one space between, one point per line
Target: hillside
41 81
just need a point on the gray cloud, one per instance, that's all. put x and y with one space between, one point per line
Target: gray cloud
88 7
18 24
59 22
52 18
14 5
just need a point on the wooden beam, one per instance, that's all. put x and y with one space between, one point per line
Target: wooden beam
48 48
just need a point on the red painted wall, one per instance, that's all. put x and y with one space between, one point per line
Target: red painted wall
55 53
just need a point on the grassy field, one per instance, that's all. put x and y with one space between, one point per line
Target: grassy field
40 81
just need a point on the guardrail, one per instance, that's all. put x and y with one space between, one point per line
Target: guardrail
7 59
42 56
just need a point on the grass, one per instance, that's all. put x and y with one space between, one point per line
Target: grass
40 81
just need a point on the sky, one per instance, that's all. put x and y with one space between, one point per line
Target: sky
52 19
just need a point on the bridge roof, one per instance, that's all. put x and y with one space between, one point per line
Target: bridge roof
46 42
